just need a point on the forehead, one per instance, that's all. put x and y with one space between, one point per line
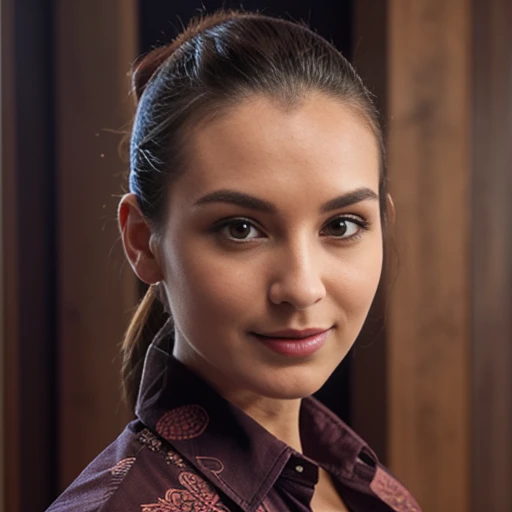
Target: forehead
320 145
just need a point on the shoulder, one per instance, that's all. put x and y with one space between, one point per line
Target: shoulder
133 471
139 471
102 477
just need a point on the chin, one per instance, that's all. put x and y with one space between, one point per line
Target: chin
290 384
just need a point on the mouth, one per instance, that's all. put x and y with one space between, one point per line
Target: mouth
295 333
294 343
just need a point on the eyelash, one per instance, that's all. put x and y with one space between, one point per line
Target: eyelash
363 225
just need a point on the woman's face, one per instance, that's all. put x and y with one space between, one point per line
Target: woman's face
272 250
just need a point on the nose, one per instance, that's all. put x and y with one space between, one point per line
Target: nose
298 279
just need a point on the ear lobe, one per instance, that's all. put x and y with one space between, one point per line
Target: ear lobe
138 241
390 209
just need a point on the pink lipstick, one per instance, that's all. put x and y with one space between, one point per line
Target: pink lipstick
295 343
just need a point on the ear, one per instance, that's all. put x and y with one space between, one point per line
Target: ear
138 241
390 209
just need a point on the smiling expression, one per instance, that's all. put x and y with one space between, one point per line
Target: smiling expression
272 248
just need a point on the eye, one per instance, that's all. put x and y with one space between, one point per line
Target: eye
239 230
344 227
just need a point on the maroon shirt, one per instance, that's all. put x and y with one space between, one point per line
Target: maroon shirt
190 450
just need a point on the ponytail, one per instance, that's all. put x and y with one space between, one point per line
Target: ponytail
148 319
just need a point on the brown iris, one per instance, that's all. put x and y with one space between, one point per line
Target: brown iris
239 229
337 227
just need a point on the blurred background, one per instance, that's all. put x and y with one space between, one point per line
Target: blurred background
429 382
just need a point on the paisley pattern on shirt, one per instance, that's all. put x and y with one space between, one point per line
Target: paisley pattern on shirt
198 496
118 474
391 492
120 470
211 463
183 423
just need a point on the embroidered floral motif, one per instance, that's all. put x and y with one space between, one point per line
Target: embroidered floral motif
148 439
391 492
120 470
198 496
117 475
182 423
174 458
211 463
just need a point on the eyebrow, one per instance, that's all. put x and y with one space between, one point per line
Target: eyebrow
237 199
356 196
254 203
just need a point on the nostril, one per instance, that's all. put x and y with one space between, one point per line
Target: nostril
299 295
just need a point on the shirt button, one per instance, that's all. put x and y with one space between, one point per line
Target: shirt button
299 468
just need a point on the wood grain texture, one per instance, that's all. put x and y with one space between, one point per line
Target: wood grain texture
96 42
429 320
492 256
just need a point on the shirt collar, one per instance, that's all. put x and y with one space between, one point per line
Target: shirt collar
221 441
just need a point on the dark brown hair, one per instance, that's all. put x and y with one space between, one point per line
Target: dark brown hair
215 63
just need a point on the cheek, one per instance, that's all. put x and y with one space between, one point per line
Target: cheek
226 291
355 285
210 287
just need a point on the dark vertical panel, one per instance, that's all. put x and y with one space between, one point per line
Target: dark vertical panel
29 258
95 45
10 308
36 199
369 365
492 256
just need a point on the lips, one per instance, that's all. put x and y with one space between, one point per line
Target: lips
294 343
294 333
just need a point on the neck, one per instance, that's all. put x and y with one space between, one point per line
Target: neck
279 417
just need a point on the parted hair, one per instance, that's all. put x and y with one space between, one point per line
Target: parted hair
216 62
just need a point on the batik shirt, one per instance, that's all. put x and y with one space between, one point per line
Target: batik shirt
190 450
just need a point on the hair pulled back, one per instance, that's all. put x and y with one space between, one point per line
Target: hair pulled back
214 64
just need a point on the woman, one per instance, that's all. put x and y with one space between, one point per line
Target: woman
257 215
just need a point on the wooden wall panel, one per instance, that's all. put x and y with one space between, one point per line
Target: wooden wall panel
96 41
492 256
429 322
